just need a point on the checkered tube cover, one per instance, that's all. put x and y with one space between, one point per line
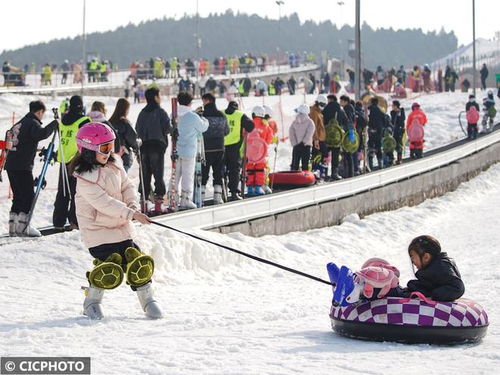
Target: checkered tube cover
415 312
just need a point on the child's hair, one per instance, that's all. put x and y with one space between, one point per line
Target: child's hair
86 162
98 106
184 98
425 244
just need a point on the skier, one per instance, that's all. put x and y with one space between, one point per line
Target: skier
213 140
415 129
238 122
19 166
319 151
190 127
68 127
472 115
301 137
489 112
398 118
484 75
256 152
107 203
153 127
125 133
376 122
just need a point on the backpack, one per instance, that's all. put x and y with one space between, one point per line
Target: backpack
256 147
415 131
472 115
334 133
388 143
492 112
347 145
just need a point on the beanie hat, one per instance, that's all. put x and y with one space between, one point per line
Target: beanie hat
76 102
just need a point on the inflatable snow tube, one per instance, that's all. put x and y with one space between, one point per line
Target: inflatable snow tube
411 321
291 179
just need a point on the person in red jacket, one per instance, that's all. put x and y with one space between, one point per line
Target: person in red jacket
415 129
257 143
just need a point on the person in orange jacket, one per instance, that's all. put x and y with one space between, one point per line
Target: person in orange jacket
257 143
415 129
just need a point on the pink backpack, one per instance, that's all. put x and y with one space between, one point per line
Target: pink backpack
416 131
256 148
472 115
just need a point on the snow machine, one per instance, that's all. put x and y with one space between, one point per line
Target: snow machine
291 179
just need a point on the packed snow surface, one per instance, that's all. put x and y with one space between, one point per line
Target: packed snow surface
226 314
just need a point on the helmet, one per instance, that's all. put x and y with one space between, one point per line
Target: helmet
321 99
93 135
259 111
490 92
303 109
415 106
268 111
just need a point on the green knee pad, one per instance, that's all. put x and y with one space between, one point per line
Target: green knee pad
107 274
140 267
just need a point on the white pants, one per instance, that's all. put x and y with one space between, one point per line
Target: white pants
184 172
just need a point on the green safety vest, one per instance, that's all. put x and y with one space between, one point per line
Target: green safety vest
68 140
234 122
93 65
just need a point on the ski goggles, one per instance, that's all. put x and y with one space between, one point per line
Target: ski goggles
106 148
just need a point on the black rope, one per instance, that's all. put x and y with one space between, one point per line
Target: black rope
258 259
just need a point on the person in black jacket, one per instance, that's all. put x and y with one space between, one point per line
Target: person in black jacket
348 158
484 75
376 122
333 111
437 276
398 119
238 122
153 127
213 140
127 138
19 166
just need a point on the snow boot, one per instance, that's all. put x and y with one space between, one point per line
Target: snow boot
107 274
250 191
370 163
218 194
25 230
267 189
140 267
92 303
203 188
148 302
259 190
13 222
335 175
400 158
380 163
186 202
235 196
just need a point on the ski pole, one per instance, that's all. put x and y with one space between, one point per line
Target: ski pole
254 257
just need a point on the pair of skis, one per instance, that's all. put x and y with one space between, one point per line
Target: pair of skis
173 194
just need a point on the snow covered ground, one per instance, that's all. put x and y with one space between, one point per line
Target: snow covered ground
442 110
225 314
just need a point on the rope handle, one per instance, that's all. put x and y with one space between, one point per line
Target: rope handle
420 296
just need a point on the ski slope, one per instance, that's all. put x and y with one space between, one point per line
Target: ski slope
442 110
225 314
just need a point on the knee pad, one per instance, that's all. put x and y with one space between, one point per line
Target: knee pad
107 274
140 267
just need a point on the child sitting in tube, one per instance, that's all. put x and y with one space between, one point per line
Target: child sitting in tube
437 276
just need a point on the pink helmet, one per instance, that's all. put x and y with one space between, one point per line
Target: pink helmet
94 134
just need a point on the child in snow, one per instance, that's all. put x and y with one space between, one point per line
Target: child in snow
257 143
437 274
106 203
415 130
472 115
301 137
489 111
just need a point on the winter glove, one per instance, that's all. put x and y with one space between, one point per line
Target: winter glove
350 134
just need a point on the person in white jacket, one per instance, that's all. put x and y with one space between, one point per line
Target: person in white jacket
301 137
106 203
190 127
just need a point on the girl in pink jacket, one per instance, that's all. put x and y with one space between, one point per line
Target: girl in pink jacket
106 203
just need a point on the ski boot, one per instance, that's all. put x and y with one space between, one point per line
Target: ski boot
250 191
23 229
148 302
218 194
235 196
13 222
107 274
258 190
140 267
92 303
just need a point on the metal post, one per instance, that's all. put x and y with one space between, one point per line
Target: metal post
357 77
474 47
84 47
198 39
280 3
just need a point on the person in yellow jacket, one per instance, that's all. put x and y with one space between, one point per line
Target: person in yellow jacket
47 75
68 127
